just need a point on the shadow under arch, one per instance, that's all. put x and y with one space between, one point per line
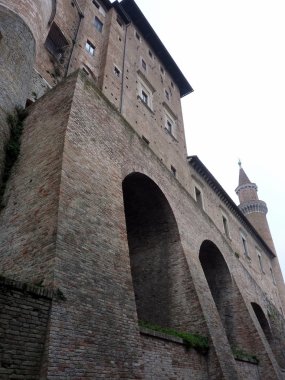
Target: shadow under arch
220 283
163 286
264 324
274 337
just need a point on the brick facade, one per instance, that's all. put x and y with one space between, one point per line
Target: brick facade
94 208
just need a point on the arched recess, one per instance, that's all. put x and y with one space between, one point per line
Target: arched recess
220 283
163 287
274 338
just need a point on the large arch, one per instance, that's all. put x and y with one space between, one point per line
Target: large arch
163 287
220 283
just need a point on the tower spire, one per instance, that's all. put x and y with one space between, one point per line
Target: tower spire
254 209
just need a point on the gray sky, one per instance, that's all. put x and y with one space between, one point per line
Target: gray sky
232 53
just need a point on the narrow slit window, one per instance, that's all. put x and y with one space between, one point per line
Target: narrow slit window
173 170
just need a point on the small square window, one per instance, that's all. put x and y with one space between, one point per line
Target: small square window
117 72
143 64
144 97
90 47
167 95
98 25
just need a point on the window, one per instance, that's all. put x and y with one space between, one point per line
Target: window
172 85
138 37
96 4
56 43
198 196
161 70
260 259
166 94
119 21
90 47
170 125
260 262
226 227
144 97
273 278
98 25
150 54
144 90
143 64
244 244
173 170
117 71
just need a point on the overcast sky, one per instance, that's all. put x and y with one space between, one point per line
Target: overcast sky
232 53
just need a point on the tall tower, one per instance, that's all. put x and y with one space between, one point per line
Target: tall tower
254 209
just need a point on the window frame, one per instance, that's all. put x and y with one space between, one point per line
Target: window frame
98 24
90 48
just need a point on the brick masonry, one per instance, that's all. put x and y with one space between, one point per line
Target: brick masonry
24 313
81 155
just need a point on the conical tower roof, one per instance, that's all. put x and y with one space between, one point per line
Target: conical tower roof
243 178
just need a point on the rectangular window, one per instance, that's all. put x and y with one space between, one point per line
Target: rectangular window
169 126
143 64
244 244
198 196
98 25
260 263
161 70
90 47
167 94
96 4
144 97
150 54
138 37
117 71
226 227
119 21
173 170
272 276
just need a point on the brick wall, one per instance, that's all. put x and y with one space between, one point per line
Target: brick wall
24 313
168 358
